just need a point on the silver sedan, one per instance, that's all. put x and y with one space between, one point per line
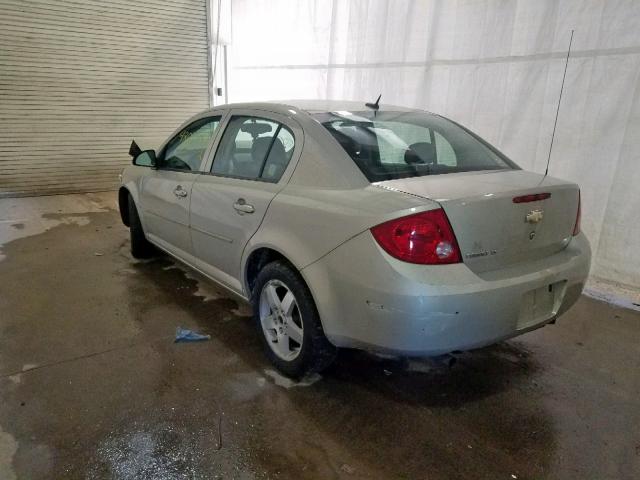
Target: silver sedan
362 226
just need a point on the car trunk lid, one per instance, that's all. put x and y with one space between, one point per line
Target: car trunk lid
493 230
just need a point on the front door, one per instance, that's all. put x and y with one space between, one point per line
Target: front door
165 194
165 199
229 203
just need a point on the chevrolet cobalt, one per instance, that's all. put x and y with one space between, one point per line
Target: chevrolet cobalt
363 226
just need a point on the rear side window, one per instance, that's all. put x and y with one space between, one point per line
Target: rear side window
254 148
390 145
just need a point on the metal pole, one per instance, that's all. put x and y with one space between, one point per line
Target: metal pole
226 76
209 53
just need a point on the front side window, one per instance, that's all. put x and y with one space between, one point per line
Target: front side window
185 150
254 148
390 145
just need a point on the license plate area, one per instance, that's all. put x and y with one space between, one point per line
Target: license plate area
541 304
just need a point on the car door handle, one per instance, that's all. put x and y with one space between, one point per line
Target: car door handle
180 192
243 207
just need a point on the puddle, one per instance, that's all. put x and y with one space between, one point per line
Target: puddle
8 448
36 215
36 227
246 386
209 291
166 452
287 383
204 289
136 455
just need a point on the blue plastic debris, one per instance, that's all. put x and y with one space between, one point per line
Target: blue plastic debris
185 335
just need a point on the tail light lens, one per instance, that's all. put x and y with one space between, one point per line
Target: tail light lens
425 238
532 197
576 227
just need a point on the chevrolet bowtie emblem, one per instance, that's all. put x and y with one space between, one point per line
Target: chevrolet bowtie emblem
534 216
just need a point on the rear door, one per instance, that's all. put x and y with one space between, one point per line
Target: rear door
250 166
165 192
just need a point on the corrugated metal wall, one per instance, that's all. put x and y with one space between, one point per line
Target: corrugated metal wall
79 79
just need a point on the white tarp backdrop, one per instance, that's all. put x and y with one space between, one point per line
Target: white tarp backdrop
494 66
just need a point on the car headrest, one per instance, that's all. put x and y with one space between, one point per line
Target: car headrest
255 128
421 152
259 148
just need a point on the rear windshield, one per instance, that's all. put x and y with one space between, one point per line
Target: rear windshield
390 145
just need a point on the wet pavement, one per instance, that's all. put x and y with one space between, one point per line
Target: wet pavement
92 385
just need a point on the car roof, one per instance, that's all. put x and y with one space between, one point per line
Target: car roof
313 106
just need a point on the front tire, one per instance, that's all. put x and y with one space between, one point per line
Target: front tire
140 246
288 322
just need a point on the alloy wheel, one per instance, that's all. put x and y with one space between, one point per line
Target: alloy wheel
281 320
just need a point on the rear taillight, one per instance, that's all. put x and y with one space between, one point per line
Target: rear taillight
576 227
425 238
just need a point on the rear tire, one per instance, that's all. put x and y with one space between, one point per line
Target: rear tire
140 246
282 320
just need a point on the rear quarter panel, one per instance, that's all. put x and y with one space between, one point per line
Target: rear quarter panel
306 223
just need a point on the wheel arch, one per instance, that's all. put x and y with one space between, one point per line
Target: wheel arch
265 254
129 190
256 259
123 205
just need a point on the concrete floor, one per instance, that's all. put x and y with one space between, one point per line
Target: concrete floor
92 385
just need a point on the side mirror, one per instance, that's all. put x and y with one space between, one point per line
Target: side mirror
146 158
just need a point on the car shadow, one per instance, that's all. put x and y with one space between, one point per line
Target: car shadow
475 375
397 416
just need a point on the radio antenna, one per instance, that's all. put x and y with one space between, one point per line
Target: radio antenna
374 106
555 123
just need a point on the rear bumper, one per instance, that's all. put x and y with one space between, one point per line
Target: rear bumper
367 299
